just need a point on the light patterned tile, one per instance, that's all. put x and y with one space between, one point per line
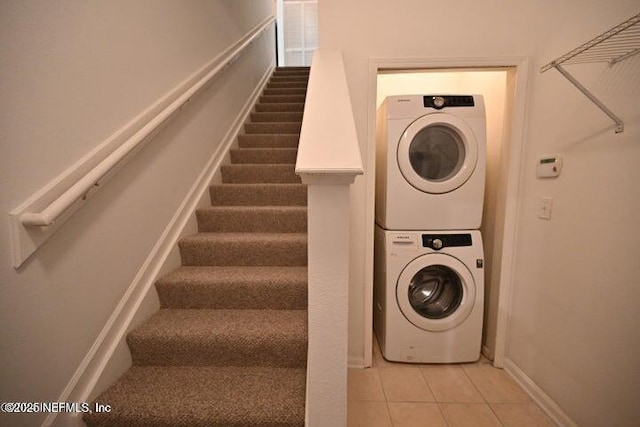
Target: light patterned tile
368 414
495 385
405 384
364 385
469 415
521 415
449 383
416 415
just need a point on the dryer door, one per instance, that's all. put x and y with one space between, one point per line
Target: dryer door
437 153
436 292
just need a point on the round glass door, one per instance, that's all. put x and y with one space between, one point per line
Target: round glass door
437 153
436 292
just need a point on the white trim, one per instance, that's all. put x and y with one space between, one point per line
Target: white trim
517 133
512 208
543 400
85 378
280 32
328 126
356 362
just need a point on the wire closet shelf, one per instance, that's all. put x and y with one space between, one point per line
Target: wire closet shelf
615 45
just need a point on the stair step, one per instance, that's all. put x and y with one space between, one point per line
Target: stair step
287 84
269 288
294 106
260 174
258 194
291 72
264 155
268 99
293 68
266 140
271 128
204 396
253 219
285 91
278 116
277 78
177 337
250 249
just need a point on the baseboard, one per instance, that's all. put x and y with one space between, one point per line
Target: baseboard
84 380
547 404
355 362
488 353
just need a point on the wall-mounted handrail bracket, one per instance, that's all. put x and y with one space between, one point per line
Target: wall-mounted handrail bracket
615 45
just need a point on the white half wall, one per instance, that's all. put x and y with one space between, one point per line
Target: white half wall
72 74
575 293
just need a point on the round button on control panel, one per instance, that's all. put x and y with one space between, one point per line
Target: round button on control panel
436 244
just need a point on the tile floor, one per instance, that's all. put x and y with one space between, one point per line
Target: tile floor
406 395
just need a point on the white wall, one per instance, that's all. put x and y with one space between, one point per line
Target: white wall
71 74
576 275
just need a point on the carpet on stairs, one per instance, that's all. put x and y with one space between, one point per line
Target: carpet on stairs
228 346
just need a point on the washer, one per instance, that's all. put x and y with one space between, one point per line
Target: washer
430 162
429 295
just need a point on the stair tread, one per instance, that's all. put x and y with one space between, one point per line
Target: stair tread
257 209
251 219
221 337
258 194
232 274
268 140
259 173
212 324
204 396
263 155
238 237
280 107
244 248
226 287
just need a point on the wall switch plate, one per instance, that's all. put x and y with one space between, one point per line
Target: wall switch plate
544 207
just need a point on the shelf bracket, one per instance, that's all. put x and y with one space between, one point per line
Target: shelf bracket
619 124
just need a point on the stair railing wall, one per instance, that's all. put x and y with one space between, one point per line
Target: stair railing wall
40 216
328 162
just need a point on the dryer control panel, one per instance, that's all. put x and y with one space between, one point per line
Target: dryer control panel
439 241
441 101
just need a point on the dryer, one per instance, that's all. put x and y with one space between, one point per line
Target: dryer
430 162
429 295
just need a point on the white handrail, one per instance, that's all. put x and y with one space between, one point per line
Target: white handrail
84 185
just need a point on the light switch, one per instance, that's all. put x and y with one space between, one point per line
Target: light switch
544 207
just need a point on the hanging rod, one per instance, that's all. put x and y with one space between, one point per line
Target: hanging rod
617 44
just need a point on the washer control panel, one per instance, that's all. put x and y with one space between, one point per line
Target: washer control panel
441 101
439 241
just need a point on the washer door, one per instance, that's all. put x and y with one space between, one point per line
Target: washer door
436 292
437 153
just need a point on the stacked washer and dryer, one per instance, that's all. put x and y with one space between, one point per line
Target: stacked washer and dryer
429 262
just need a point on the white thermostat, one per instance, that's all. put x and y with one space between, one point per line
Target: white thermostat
549 167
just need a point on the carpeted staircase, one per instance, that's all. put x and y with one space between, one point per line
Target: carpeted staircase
228 346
